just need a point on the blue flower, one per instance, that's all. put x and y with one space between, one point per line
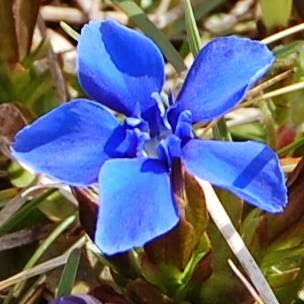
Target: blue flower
81 142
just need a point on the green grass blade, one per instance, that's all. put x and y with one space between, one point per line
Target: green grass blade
194 39
69 274
276 12
49 240
199 11
21 214
137 15
220 130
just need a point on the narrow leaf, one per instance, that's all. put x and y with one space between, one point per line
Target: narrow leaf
192 30
276 12
69 30
69 274
25 13
8 38
11 120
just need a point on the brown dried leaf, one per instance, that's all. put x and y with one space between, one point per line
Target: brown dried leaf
107 295
142 292
8 38
87 209
11 121
23 237
25 15
176 247
278 223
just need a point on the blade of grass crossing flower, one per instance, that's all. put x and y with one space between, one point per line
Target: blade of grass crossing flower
137 15
237 245
269 124
69 274
192 30
220 130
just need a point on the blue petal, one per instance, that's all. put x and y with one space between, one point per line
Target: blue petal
71 142
249 169
76 299
136 204
120 67
221 75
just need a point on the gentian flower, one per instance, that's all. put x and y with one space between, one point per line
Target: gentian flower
76 299
81 142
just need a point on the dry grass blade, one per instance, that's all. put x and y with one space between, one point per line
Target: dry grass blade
237 245
23 237
245 282
17 202
41 268
54 65
288 89
268 83
283 34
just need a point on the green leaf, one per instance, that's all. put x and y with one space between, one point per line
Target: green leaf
220 130
19 177
56 207
43 247
137 15
276 12
7 194
23 213
69 274
200 10
254 233
253 131
193 36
